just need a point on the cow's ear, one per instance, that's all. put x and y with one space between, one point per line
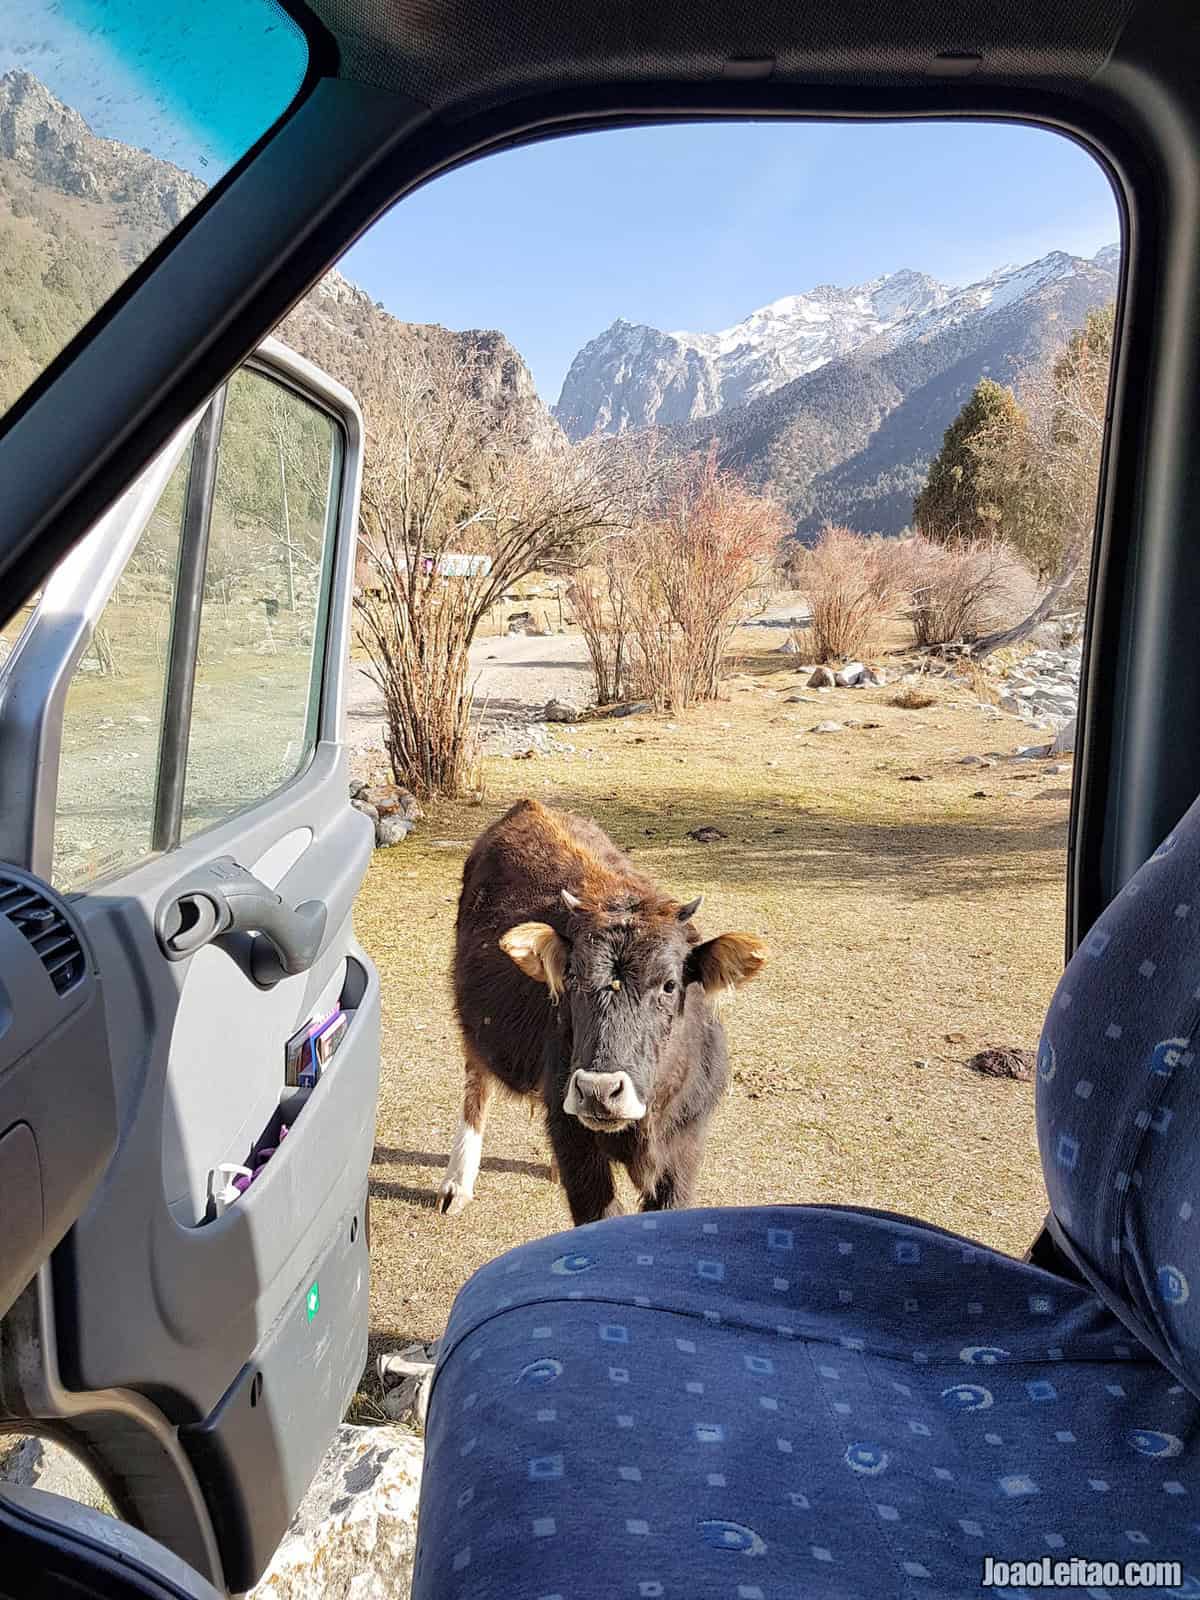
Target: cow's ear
540 952
725 963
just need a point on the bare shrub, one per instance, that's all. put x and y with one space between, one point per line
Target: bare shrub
849 592
458 504
956 590
683 580
599 598
912 698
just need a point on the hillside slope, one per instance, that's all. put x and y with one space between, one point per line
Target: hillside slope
851 442
78 213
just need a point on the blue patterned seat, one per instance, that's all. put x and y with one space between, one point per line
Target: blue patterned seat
786 1402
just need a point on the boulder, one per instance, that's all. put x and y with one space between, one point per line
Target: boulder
828 727
633 709
354 1536
392 830
389 799
356 788
789 647
872 677
367 809
559 711
850 674
822 678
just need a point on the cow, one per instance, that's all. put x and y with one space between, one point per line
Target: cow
578 980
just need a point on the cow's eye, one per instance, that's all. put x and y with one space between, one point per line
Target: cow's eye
670 986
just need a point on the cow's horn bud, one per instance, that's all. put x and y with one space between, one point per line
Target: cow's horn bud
569 900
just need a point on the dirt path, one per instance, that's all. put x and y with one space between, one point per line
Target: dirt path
514 676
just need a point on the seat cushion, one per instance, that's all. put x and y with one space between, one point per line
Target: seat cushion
762 1404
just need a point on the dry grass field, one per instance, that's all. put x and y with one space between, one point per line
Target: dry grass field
914 910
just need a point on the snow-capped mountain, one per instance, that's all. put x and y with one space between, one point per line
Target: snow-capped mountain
633 376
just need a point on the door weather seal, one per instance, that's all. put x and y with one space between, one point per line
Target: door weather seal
185 629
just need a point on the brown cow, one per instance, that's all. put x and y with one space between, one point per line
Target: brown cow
611 1017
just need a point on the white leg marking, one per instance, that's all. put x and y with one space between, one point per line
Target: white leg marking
458 1186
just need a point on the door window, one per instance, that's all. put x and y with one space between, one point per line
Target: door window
113 717
258 675
260 647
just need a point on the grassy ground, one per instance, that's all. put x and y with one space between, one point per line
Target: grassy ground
910 923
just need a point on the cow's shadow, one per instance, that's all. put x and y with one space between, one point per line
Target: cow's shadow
389 1155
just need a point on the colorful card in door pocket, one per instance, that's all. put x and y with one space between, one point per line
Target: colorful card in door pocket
297 1053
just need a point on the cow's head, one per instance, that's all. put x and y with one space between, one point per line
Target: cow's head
627 970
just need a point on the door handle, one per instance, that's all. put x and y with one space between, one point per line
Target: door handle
222 897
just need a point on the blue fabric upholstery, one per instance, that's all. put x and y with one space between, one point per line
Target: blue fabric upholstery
1119 1101
779 1403
771 1403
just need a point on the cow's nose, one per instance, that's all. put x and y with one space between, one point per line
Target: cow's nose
603 1097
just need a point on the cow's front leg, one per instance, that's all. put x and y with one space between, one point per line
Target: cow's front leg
584 1170
673 1185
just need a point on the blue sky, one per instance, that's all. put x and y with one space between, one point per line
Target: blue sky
694 226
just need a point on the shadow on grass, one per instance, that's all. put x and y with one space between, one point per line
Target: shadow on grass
388 1189
773 841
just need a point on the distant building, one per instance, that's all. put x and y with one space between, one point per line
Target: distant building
451 564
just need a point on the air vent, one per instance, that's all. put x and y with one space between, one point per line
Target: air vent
35 915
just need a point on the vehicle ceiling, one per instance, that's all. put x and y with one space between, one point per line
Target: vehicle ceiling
472 53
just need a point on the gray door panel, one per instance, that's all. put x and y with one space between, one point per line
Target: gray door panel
198 1064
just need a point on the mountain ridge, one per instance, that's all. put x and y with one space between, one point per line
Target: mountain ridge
632 376
78 212
833 401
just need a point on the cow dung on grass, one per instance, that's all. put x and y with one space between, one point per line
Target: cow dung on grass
1001 1061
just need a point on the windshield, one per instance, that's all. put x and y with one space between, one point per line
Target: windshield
115 118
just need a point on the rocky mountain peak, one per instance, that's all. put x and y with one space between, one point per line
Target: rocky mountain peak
633 376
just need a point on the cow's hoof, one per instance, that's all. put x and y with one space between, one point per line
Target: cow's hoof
453 1198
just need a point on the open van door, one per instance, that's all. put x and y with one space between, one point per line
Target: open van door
189 1032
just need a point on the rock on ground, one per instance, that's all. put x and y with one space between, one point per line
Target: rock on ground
354 1535
1063 743
559 711
391 830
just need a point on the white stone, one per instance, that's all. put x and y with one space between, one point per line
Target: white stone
1063 743
354 1536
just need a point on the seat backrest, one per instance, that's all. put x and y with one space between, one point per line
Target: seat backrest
1118 1103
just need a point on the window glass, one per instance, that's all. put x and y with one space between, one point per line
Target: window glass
262 623
115 117
112 722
